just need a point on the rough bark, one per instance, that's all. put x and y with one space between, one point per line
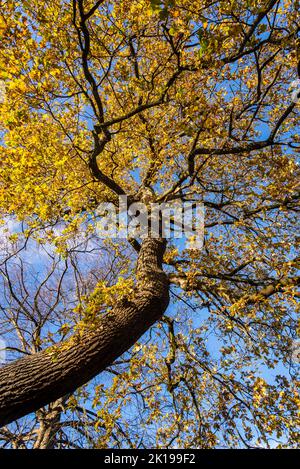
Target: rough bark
32 382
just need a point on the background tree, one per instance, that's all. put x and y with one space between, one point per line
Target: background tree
185 100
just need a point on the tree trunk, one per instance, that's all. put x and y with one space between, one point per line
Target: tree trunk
34 381
49 423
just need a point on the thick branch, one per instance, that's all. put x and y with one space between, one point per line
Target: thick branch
34 381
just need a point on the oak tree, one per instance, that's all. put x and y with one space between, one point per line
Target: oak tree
143 342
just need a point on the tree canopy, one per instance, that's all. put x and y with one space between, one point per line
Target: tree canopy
144 342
